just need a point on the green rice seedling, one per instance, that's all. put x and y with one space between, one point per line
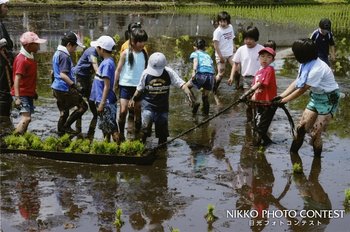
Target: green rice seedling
209 216
132 148
347 200
64 141
50 144
97 147
16 142
297 168
111 148
347 196
37 144
78 146
118 222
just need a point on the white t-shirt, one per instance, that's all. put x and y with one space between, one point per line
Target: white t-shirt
321 78
225 37
248 58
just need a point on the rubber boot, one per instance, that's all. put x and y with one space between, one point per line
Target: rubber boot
61 121
78 125
72 118
206 106
121 130
91 132
298 141
138 125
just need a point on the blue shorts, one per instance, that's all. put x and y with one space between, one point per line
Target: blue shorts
324 104
126 92
203 80
107 120
160 120
27 105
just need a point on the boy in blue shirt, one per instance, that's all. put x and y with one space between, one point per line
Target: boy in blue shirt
64 88
102 89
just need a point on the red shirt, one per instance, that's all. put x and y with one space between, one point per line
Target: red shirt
28 69
268 88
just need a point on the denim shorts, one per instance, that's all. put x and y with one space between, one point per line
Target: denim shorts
203 80
27 105
324 104
160 120
107 120
126 92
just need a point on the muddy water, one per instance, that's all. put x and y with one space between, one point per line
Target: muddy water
215 164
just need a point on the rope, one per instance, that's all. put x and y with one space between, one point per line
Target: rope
198 125
290 119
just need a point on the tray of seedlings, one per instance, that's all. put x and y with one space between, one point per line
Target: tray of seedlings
78 150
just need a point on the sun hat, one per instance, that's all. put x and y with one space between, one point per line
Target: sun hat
325 24
156 64
73 38
105 42
30 37
268 50
3 1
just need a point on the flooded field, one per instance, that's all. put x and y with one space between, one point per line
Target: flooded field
215 164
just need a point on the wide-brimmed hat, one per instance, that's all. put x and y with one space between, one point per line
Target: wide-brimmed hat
30 37
268 50
156 64
105 42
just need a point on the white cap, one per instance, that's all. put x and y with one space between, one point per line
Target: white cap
3 1
105 42
156 64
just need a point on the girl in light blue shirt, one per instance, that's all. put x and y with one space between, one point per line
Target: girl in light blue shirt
132 62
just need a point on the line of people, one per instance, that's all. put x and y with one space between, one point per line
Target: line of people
144 82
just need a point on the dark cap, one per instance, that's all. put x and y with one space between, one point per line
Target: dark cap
325 24
134 25
73 38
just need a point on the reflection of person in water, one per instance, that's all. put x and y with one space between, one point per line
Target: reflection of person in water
29 203
254 181
312 193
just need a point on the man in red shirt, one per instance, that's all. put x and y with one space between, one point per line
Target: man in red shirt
24 78
264 89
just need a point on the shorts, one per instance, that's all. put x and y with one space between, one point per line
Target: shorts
67 100
226 58
324 104
203 80
27 105
160 119
107 120
86 83
126 92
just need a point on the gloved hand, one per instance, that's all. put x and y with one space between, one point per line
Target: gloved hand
277 101
77 88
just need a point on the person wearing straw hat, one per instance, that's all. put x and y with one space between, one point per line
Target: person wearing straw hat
25 79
